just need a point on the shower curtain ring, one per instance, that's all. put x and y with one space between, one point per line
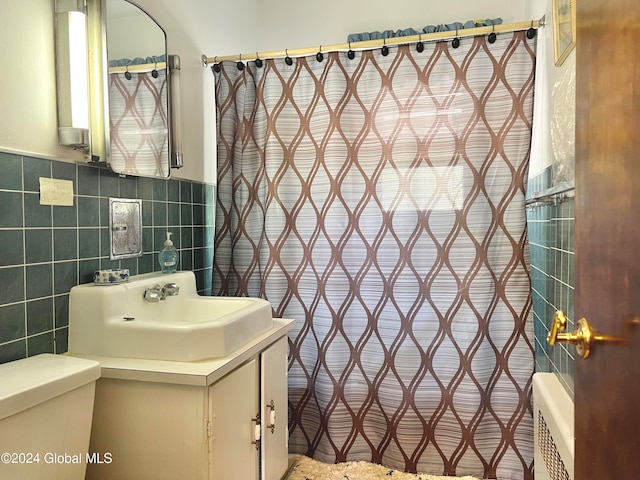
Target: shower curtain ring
492 35
258 61
319 55
288 59
420 45
531 32
240 65
351 54
456 41
385 49
127 74
216 66
154 72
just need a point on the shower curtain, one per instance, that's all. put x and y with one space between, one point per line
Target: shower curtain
379 201
138 123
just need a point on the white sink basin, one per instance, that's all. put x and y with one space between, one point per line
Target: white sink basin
116 320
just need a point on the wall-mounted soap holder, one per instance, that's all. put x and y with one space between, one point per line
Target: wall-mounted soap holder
125 228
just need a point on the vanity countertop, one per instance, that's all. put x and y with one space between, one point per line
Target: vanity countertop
200 373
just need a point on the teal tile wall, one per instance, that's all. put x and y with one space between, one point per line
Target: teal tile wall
550 231
45 250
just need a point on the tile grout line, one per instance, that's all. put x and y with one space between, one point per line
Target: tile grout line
24 256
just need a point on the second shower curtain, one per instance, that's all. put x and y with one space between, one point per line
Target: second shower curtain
379 201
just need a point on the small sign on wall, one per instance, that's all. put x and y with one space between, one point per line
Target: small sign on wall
56 192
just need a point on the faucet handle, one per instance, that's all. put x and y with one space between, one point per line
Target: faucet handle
154 294
170 289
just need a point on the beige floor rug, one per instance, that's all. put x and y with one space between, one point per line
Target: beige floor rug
305 468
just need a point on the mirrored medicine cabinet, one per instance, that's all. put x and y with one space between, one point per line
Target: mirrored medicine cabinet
132 88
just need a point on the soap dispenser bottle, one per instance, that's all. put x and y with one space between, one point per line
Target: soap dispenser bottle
168 257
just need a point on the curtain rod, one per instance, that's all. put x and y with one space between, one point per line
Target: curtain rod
138 67
366 44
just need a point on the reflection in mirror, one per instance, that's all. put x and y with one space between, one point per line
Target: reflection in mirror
138 136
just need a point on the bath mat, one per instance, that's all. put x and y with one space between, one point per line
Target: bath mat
305 468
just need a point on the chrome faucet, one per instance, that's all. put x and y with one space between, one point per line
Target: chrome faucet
157 293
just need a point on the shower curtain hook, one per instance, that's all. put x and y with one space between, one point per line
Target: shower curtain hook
492 35
288 60
240 65
420 45
216 66
351 54
531 32
258 61
154 72
456 41
319 55
127 74
385 49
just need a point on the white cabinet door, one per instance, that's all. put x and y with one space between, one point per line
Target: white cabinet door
233 404
275 409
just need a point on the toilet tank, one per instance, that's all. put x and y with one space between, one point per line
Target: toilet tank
46 407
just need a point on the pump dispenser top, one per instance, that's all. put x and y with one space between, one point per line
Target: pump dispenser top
168 257
168 242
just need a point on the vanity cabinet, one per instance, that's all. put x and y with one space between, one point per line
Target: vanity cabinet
248 419
210 420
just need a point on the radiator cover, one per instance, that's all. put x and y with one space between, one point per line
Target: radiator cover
553 429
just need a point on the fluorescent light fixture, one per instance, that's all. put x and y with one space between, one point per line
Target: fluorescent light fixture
78 70
174 112
72 74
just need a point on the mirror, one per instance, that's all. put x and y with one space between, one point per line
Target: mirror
129 89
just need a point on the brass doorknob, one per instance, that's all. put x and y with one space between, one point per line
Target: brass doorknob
582 337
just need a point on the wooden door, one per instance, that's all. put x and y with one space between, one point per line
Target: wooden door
607 222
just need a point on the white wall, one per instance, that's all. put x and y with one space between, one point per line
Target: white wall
194 27
28 122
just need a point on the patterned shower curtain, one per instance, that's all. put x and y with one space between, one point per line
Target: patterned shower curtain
379 201
138 113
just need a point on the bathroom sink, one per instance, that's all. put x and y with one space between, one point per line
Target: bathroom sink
118 321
